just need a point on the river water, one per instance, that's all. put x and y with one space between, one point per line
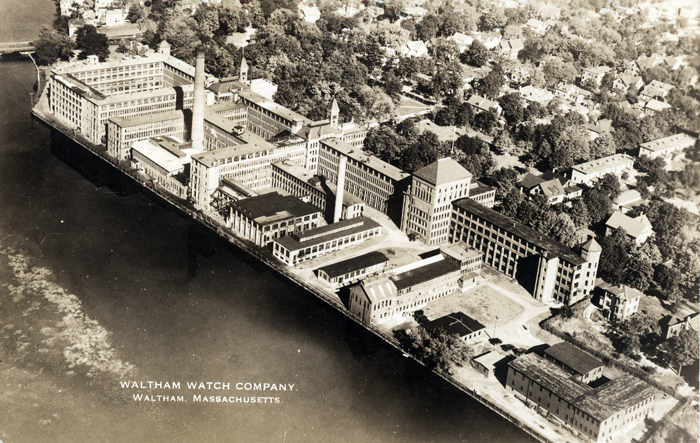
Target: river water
101 285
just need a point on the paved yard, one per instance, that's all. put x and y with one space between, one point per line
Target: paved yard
482 303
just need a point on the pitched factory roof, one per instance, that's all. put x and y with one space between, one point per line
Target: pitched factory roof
316 236
573 357
423 274
354 264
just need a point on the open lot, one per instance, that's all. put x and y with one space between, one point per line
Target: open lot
482 303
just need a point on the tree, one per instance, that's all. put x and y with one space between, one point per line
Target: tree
437 350
90 42
564 230
614 258
511 202
495 18
485 122
137 13
556 71
654 169
667 280
425 149
446 81
512 105
52 45
427 28
579 214
571 145
603 146
598 203
610 184
503 142
683 348
179 32
490 85
534 111
477 55
392 85
384 142
474 155
157 10
504 180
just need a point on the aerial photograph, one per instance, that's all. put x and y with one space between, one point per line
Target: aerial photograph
406 221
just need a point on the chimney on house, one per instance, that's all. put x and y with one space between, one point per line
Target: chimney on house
198 107
339 192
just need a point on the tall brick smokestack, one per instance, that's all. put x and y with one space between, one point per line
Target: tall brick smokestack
198 107
339 192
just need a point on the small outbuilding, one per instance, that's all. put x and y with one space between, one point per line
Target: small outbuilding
486 363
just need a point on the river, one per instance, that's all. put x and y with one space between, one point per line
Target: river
101 285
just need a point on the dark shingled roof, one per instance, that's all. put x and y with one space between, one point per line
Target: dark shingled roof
267 205
538 239
456 323
601 403
354 264
573 357
423 274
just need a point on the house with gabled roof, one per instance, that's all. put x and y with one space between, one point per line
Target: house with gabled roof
617 164
310 14
656 89
414 48
532 94
553 186
625 82
482 104
599 127
674 325
462 41
572 92
648 62
638 229
596 74
536 25
510 48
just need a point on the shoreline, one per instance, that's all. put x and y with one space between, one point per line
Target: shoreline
58 130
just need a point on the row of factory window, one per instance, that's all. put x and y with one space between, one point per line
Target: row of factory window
369 173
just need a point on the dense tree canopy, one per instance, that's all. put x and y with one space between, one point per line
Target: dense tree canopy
90 42
52 45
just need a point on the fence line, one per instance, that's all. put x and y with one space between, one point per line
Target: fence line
607 359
